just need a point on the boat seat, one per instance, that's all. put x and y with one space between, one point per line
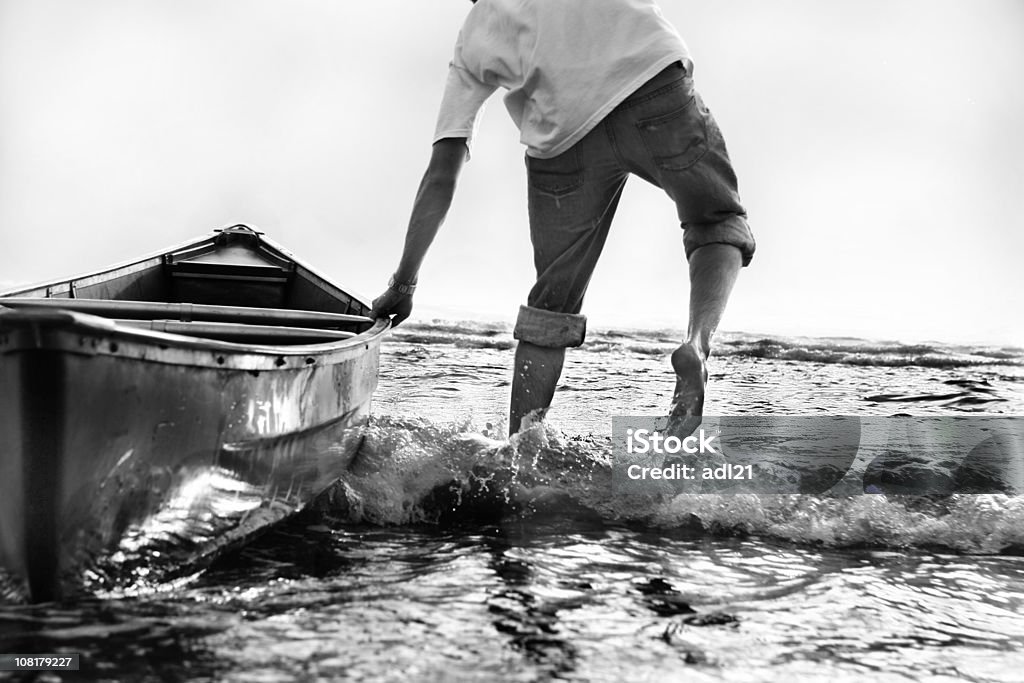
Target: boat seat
233 271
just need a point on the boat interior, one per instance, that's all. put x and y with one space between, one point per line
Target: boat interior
233 286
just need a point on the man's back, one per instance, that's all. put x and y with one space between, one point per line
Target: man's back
565 64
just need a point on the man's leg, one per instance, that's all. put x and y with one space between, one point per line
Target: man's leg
671 139
713 271
570 214
534 380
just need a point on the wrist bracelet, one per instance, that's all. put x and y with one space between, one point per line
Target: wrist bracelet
401 287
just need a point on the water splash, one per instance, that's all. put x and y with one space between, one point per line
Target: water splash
418 472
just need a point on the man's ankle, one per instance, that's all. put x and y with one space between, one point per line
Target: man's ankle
701 347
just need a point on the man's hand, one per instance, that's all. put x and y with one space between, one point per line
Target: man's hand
392 304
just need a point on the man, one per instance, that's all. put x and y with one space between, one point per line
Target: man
599 89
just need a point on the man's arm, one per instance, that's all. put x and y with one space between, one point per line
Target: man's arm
433 199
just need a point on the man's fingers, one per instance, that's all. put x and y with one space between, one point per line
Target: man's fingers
402 311
382 306
393 306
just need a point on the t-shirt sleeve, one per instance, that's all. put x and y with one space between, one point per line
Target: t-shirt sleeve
463 100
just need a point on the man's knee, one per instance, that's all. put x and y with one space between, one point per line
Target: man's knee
733 230
550 328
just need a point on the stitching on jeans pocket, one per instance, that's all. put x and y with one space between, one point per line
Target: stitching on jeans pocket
678 139
556 177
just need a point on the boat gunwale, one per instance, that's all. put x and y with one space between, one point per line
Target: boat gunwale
83 334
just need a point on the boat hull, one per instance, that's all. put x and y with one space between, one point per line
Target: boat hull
129 455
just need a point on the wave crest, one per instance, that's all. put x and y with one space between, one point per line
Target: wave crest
845 351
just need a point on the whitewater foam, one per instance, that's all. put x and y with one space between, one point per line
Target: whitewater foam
417 472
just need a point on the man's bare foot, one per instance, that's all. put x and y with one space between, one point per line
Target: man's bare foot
688 399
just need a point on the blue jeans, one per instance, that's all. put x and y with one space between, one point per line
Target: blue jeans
662 133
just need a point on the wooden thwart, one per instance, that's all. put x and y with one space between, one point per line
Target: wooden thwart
239 331
156 310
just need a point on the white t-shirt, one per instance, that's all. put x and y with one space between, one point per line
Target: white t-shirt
565 63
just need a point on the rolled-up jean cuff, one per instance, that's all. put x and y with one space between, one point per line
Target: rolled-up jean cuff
550 328
733 230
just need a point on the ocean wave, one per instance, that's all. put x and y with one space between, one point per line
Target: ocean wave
864 353
457 340
418 472
832 350
960 393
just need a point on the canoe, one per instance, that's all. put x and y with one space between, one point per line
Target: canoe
157 412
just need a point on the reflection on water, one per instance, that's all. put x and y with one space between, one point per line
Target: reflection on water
570 599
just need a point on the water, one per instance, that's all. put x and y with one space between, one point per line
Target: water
455 554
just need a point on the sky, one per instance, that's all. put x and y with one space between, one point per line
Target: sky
878 144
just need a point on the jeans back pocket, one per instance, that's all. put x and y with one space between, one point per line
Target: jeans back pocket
558 176
677 139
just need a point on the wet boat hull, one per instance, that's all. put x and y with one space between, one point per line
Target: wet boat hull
122 450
